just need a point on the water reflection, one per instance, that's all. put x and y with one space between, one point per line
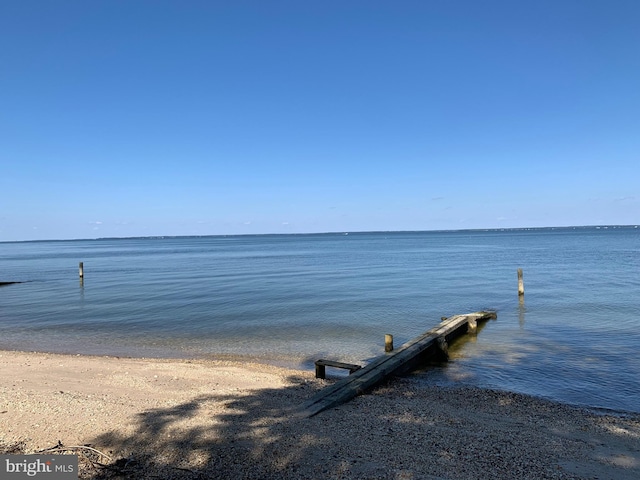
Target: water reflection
521 311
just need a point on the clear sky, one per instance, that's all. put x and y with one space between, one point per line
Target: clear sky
136 118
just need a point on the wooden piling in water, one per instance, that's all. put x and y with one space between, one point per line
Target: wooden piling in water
81 269
472 326
520 282
442 354
388 343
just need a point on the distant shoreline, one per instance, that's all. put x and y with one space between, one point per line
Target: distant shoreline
350 232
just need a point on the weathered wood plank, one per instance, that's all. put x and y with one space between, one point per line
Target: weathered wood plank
333 363
321 364
401 360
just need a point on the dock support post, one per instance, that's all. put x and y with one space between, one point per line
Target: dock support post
320 370
388 343
520 283
443 349
81 269
472 325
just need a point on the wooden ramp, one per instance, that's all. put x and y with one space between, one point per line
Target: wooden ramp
404 359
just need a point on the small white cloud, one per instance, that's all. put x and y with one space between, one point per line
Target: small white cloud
285 223
95 223
247 223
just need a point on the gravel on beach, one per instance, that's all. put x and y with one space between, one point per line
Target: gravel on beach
196 419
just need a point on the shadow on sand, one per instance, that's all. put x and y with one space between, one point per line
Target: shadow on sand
402 430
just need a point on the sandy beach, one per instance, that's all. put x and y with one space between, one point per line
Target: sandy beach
150 418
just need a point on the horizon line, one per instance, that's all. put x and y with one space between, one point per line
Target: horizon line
336 232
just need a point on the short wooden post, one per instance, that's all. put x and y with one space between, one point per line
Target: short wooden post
81 269
520 283
388 342
320 370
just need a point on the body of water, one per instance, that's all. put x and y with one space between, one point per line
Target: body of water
291 299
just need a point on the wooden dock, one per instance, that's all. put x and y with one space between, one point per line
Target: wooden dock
431 343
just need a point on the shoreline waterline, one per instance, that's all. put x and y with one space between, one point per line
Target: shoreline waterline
287 363
304 367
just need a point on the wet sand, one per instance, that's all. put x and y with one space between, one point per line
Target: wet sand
137 418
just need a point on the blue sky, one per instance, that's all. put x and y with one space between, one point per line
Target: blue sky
135 118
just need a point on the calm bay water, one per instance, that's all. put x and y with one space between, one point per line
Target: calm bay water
291 299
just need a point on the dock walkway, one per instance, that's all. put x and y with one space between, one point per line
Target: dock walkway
402 360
